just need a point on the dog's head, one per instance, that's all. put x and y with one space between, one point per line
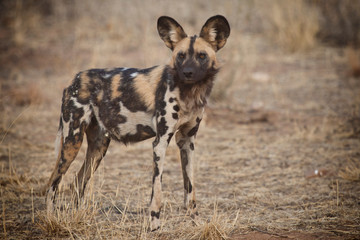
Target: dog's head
194 57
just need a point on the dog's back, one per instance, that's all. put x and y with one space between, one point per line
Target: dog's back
122 100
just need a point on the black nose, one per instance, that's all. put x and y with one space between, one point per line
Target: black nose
188 72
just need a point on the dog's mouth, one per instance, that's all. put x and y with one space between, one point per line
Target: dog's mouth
189 80
186 80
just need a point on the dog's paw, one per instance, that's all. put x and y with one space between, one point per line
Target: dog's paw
154 224
50 204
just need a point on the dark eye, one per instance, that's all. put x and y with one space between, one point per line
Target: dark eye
202 56
181 56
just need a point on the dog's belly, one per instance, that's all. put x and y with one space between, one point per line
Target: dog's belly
124 125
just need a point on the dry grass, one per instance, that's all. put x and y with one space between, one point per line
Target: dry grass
253 149
25 95
298 25
292 25
70 219
351 171
99 215
339 22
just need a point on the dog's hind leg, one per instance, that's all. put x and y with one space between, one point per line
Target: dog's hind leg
73 123
98 143
68 149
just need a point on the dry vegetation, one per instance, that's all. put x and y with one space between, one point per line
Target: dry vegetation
278 155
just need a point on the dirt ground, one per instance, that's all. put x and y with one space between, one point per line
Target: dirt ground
277 155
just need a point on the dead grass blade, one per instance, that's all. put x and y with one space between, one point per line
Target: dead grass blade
12 123
69 219
3 213
216 228
352 171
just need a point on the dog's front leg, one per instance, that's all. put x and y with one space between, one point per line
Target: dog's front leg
185 140
165 131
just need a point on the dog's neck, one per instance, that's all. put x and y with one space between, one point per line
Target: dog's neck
195 95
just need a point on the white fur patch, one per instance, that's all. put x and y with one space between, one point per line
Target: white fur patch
173 36
58 142
133 119
212 34
65 130
107 75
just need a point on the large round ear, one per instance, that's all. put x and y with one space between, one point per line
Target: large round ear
216 30
170 31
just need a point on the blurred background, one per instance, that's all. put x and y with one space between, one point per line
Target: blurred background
63 37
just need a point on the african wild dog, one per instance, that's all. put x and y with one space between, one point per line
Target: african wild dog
130 105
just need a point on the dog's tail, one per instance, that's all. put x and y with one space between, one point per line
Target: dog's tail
59 139
58 146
